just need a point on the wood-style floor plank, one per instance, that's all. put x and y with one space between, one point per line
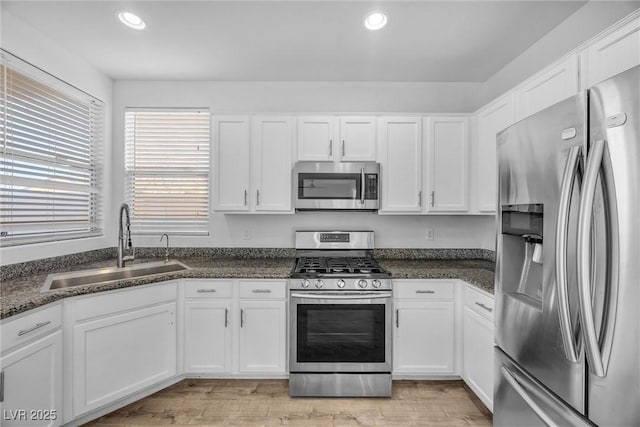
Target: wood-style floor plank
199 402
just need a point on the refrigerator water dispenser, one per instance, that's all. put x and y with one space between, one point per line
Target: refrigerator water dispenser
522 236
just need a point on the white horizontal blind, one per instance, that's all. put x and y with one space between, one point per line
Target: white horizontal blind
51 157
167 170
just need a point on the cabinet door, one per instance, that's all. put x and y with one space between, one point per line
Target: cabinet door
263 338
232 146
401 164
357 139
207 336
478 356
424 337
114 356
272 163
614 53
448 154
491 120
316 136
33 383
549 87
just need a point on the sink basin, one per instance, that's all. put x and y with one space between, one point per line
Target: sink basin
101 275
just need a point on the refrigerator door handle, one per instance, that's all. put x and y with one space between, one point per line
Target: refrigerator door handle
564 313
591 343
511 378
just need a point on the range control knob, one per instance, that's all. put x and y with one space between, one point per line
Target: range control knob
305 283
319 283
376 283
340 283
362 283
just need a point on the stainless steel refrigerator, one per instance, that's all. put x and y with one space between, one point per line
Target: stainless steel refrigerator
568 262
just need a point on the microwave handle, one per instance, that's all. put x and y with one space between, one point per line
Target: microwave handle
362 186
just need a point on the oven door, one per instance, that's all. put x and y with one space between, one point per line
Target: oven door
347 186
340 331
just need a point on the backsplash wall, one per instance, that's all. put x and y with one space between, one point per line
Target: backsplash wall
391 231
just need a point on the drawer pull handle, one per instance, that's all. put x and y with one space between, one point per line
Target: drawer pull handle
425 292
38 326
489 309
261 291
206 290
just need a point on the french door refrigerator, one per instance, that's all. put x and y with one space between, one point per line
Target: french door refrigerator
568 262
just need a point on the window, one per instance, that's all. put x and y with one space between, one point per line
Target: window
50 157
167 170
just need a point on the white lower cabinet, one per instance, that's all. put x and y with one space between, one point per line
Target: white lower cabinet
207 325
128 344
263 340
424 327
235 326
32 383
207 336
478 344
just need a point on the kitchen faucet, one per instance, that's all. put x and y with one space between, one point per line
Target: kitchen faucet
166 250
121 237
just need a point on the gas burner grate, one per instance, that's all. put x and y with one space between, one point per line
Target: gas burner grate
337 266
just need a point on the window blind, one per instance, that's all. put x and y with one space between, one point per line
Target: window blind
51 137
167 170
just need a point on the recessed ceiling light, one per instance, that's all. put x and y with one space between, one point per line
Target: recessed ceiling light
131 20
375 20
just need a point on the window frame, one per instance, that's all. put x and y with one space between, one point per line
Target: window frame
51 156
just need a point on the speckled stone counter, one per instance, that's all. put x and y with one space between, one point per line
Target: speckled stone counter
477 272
23 293
19 294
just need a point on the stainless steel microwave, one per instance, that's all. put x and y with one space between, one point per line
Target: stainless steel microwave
337 186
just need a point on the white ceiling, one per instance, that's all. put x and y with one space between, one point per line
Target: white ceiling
437 41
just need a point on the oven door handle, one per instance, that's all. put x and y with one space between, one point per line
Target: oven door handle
341 295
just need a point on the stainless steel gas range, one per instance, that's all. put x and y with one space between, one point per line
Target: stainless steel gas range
340 317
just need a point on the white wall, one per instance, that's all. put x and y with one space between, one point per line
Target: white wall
584 24
304 97
31 46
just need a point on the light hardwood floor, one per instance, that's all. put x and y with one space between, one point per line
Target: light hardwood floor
267 403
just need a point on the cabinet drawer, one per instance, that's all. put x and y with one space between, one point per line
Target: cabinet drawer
261 289
31 325
208 289
423 289
479 302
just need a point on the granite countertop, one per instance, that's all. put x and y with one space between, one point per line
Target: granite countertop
477 272
20 294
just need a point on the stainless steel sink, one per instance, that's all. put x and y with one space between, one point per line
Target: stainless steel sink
102 275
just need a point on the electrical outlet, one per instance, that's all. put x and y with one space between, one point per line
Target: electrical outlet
429 234
246 234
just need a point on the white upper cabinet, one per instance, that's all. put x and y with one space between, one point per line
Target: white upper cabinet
272 139
316 136
231 151
401 164
357 139
490 120
343 139
547 88
614 53
253 162
448 163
